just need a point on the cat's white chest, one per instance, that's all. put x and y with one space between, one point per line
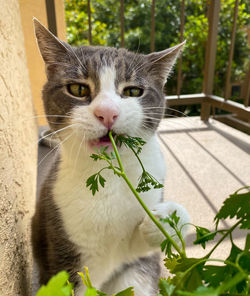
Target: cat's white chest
102 225
109 215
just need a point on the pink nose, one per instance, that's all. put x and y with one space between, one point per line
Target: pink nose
107 114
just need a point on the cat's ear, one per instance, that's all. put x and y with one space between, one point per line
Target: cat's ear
51 48
160 63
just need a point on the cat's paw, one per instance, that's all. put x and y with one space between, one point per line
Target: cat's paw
152 234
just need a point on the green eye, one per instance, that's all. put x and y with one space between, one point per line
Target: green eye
78 90
132 92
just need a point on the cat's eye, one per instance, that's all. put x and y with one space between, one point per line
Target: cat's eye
132 92
78 90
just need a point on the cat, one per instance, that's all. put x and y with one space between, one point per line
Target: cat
91 90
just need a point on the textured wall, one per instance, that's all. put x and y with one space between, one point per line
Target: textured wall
30 9
18 153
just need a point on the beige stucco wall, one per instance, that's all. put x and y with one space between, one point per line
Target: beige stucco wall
30 9
18 154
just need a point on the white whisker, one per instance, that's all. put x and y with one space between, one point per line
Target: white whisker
56 147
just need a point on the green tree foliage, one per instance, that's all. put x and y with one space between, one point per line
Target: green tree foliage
106 31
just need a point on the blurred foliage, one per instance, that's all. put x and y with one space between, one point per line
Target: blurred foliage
106 31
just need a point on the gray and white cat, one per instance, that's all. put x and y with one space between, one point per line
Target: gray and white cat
91 90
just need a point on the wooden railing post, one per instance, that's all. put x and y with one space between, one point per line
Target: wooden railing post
152 35
122 22
245 89
89 22
231 52
182 18
51 16
211 46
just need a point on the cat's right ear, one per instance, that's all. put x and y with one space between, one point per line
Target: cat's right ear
51 48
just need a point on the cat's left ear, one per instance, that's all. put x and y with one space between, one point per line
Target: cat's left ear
51 48
160 63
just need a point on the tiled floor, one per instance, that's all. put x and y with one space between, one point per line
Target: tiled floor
205 163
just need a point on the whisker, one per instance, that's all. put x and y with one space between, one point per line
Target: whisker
55 132
56 147
78 152
175 110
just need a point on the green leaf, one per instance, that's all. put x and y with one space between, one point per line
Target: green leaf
95 157
236 206
200 291
170 263
203 235
128 292
92 183
99 293
146 182
101 180
185 263
134 143
214 275
91 292
57 286
192 279
172 220
241 258
166 288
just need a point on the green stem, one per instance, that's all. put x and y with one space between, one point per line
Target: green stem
223 237
138 158
116 151
152 217
181 239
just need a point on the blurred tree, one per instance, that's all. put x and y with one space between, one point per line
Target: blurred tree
106 31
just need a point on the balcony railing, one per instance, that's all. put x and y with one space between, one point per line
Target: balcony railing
207 99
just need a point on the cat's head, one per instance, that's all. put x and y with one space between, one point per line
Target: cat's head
91 90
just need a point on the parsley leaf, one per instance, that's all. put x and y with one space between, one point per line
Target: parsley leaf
165 287
203 235
92 182
58 285
134 143
236 206
147 182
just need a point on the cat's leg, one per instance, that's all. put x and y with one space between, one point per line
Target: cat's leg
143 275
147 236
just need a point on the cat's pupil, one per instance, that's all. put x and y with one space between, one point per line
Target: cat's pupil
78 90
133 92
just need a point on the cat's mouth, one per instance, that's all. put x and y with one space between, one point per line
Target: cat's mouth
101 142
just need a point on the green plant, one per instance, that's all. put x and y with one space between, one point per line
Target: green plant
188 276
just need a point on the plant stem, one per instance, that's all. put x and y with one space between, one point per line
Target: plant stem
151 216
116 151
223 237
181 239
138 158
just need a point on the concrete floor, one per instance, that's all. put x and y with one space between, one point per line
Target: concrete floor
205 163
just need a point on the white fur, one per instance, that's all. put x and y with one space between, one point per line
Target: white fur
109 228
